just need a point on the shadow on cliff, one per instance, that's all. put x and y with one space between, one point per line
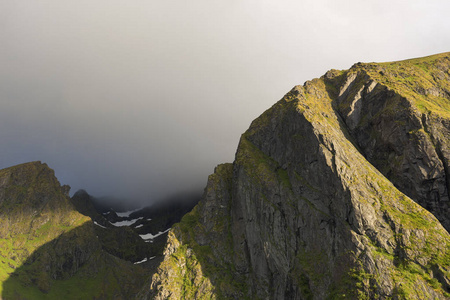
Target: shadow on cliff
74 266
200 256
333 93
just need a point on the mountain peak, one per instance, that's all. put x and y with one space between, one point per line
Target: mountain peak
339 190
330 194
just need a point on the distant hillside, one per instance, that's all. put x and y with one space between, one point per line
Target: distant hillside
138 234
50 251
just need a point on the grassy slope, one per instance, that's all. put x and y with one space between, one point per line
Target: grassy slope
42 238
29 220
425 81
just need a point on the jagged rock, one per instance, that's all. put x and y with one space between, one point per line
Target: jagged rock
401 122
321 198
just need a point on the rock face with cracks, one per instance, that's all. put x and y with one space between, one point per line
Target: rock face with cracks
340 190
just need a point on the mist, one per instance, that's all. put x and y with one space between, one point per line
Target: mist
142 99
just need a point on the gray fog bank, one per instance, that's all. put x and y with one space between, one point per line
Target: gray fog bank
141 99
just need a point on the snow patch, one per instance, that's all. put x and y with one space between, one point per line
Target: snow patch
126 214
144 260
141 261
139 226
126 222
150 236
99 225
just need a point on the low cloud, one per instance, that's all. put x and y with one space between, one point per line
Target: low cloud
141 99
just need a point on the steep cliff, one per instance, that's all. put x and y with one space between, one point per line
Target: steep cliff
50 251
322 200
399 116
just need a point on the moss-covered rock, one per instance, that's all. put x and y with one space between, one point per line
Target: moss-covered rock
398 114
319 202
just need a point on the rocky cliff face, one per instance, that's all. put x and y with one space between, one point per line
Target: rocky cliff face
49 250
322 200
399 116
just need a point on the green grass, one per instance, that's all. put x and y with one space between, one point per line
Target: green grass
417 80
42 236
198 271
102 285
283 177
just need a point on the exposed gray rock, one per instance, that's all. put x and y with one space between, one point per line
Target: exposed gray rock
409 146
308 211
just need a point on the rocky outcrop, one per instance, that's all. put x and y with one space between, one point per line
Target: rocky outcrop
84 204
48 249
209 256
321 200
399 116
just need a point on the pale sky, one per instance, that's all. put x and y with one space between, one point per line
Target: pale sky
142 99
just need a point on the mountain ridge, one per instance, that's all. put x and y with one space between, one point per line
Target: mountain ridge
299 173
48 249
340 190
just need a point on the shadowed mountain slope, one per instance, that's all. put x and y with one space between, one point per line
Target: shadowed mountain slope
138 234
48 249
